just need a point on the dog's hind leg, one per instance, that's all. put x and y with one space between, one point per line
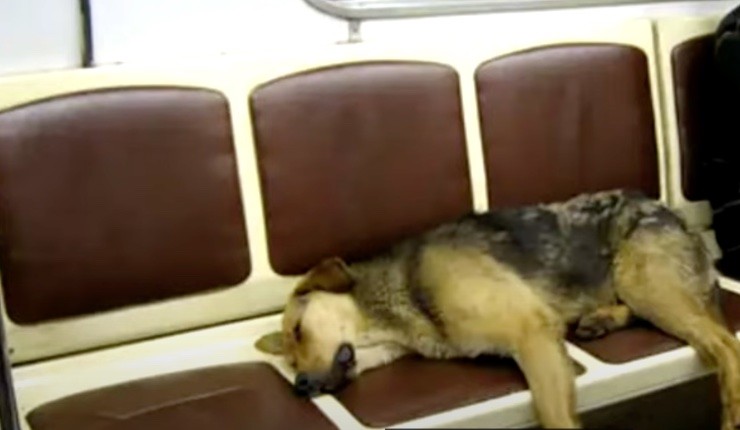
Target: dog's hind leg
661 276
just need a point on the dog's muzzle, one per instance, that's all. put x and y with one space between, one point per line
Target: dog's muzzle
313 384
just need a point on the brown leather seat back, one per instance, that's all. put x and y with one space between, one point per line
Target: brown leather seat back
356 156
113 198
566 119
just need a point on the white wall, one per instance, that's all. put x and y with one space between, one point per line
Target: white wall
143 30
39 35
45 34
431 29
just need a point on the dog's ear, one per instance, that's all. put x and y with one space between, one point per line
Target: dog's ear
331 275
270 343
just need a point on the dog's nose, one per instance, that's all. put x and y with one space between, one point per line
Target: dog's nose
345 356
305 385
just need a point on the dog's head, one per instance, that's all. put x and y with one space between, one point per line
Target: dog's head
320 325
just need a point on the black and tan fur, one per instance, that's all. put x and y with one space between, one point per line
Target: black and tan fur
509 282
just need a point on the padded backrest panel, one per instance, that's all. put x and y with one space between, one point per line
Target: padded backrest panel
117 197
560 120
356 156
695 79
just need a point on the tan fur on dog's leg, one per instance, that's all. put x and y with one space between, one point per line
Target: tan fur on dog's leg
549 373
656 277
487 308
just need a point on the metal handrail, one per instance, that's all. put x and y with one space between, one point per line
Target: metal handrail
378 9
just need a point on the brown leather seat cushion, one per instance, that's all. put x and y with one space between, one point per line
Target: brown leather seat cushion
415 387
644 340
232 397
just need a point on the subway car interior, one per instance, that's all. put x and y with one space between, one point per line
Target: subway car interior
171 170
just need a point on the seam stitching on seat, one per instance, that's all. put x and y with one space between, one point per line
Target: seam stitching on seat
171 403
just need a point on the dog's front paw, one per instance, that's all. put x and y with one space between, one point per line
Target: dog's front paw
594 326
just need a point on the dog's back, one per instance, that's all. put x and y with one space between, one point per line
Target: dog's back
571 243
